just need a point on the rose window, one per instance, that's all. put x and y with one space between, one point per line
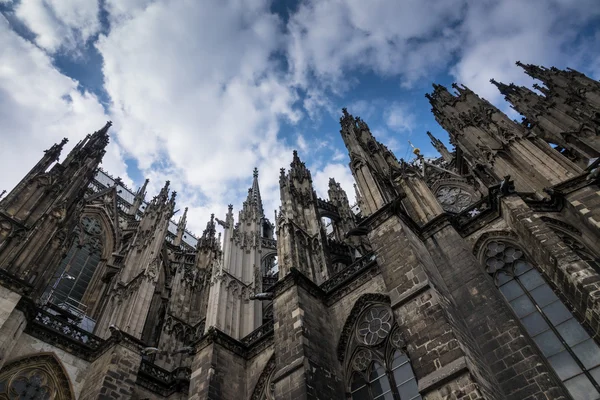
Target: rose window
375 326
453 199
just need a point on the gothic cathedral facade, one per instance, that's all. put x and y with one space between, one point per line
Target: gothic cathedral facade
474 275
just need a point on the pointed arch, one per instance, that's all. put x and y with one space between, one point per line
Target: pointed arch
562 340
42 372
263 389
360 304
377 366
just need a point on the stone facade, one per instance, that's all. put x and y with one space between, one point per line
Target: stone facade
472 276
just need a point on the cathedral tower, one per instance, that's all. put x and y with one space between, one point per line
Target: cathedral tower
39 213
567 116
490 141
248 246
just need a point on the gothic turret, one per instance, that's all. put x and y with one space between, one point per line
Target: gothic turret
490 141
238 274
43 207
181 228
143 269
440 147
139 198
565 116
372 164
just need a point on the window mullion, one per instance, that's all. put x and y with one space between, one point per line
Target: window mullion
559 336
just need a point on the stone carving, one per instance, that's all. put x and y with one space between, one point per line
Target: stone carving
376 324
361 360
453 199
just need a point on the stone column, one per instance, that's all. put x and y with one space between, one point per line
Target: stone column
113 374
8 301
10 332
305 345
218 368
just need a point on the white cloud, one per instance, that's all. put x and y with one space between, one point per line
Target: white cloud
329 38
398 118
198 91
496 34
38 107
58 24
342 175
203 103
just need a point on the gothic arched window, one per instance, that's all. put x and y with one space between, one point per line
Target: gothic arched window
379 368
40 376
78 267
564 342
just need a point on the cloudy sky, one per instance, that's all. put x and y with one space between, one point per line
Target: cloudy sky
201 92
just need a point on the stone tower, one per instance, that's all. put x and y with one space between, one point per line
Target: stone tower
491 142
248 246
566 115
39 213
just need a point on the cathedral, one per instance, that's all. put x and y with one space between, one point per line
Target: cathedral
474 275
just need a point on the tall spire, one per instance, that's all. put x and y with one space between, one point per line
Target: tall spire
440 147
54 152
502 87
181 228
139 198
255 192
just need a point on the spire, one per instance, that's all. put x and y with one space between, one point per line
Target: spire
181 228
440 97
503 88
183 219
139 198
534 71
208 240
163 196
440 147
92 146
254 194
54 152
298 169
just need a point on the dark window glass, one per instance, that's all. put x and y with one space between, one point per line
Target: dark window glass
387 384
578 363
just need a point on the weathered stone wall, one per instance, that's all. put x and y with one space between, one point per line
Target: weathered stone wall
573 277
304 344
584 206
217 373
75 367
113 374
8 301
431 341
499 345
254 368
10 334
340 310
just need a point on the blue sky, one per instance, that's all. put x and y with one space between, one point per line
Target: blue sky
201 92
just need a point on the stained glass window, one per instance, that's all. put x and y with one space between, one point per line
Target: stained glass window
570 350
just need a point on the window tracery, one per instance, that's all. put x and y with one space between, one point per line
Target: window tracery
572 353
38 377
454 198
379 367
